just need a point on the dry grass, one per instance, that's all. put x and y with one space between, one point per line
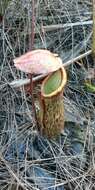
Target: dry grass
28 161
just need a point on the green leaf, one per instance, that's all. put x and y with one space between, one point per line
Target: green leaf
90 87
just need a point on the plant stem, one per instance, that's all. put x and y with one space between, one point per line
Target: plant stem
32 34
33 101
31 47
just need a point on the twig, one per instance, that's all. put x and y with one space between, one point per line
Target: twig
49 28
61 26
77 58
19 83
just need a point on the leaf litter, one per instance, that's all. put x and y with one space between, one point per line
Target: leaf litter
27 160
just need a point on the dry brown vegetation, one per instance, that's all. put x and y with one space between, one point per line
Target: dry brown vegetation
27 160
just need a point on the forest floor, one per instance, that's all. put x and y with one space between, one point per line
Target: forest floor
27 160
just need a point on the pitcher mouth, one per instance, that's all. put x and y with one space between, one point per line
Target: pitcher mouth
58 87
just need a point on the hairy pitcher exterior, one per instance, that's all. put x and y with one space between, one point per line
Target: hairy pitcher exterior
51 115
